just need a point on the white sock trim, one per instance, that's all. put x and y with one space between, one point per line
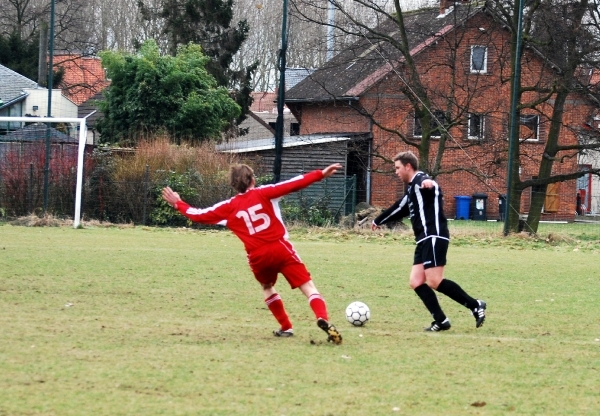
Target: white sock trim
272 299
315 296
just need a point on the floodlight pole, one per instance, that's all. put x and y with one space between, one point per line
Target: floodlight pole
280 99
513 137
50 82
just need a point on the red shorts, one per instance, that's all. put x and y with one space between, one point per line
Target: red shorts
279 257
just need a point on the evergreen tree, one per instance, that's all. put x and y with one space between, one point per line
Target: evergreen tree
208 23
20 55
150 93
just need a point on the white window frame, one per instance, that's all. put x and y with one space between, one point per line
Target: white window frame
415 122
436 114
483 70
524 117
481 132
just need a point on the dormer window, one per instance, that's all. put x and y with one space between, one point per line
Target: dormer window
479 59
294 129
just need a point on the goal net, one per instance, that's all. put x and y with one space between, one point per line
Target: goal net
41 166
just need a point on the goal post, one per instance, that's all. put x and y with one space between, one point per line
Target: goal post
6 124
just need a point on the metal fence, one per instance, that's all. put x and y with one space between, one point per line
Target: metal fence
22 178
322 203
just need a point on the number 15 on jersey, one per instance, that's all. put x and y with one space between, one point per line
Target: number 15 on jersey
255 220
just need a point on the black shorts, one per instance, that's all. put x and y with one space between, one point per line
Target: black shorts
431 252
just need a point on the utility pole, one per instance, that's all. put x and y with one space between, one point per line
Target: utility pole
50 82
280 99
513 138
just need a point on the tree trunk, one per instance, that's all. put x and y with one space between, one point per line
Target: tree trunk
514 187
535 209
513 208
545 171
43 55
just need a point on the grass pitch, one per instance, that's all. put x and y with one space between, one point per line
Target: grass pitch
110 321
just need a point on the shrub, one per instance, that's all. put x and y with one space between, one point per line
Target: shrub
308 211
150 92
126 184
100 194
186 186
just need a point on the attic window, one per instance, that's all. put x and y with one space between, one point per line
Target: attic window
479 59
294 129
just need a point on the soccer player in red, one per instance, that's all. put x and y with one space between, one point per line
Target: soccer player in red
254 216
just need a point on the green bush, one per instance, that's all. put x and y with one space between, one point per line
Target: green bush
308 211
263 179
185 184
150 92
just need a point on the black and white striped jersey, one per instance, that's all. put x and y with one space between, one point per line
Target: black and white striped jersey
423 206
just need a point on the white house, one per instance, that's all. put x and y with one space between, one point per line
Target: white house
20 96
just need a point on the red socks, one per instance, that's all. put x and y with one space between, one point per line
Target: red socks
276 307
318 306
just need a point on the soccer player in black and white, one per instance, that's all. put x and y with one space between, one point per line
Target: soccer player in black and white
423 203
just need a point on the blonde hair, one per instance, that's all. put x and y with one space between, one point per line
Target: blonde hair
240 177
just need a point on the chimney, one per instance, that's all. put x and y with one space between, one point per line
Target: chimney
443 6
330 30
446 4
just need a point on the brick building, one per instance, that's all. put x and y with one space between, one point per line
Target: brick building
83 76
83 82
462 55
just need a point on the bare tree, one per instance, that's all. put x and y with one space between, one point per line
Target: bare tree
566 35
116 24
307 42
73 22
22 16
387 38
264 40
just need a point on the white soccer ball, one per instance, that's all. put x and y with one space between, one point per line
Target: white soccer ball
358 313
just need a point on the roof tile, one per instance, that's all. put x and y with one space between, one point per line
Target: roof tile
12 84
360 65
83 78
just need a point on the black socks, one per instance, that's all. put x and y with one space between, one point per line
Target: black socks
456 293
430 300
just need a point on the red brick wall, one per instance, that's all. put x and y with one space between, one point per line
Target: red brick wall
487 93
336 118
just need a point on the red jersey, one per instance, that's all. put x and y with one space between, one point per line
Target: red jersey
253 216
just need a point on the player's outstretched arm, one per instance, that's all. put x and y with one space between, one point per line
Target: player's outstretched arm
170 196
299 182
428 184
331 169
